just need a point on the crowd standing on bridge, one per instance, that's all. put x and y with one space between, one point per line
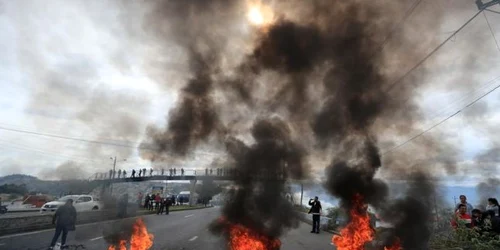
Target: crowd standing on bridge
113 174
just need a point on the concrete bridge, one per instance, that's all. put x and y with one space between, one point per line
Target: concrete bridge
106 180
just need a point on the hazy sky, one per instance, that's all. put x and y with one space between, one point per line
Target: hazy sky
82 69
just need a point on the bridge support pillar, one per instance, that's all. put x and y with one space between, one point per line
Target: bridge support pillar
192 190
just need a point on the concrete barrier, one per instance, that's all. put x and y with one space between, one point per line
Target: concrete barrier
44 221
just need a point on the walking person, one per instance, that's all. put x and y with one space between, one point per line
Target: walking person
162 207
64 219
124 174
168 203
316 212
146 201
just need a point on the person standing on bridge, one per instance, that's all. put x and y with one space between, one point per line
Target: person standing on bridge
175 171
162 171
64 219
144 172
182 171
111 173
151 172
316 212
140 172
124 174
133 173
119 173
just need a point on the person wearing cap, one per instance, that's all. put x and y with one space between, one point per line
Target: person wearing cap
64 219
316 212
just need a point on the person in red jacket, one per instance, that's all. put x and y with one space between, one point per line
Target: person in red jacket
461 218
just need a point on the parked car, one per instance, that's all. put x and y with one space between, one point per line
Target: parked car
81 203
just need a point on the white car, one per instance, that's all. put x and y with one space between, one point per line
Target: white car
80 202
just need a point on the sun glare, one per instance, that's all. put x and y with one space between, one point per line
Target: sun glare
259 14
255 16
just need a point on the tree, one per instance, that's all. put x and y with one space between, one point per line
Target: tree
14 189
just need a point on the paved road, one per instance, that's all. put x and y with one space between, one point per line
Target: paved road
179 230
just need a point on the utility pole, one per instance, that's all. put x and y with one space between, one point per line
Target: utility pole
113 173
482 6
301 193
114 166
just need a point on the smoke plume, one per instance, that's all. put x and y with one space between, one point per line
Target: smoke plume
317 76
66 171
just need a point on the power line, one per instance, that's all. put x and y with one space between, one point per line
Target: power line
66 137
441 122
491 30
85 140
400 79
493 11
407 14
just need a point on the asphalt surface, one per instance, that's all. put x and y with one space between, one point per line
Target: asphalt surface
179 230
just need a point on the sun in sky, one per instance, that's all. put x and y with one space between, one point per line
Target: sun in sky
259 14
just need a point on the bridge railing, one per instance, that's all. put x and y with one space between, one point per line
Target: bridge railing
159 172
220 172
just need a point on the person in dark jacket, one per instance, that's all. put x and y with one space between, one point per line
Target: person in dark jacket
316 212
64 219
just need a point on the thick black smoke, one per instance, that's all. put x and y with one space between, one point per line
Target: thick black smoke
412 216
258 201
321 72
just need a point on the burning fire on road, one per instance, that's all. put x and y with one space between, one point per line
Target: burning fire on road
244 238
358 233
139 240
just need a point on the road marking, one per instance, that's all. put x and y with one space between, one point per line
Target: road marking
194 238
187 216
96 238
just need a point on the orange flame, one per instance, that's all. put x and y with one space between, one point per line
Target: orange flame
395 246
358 232
140 240
243 238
